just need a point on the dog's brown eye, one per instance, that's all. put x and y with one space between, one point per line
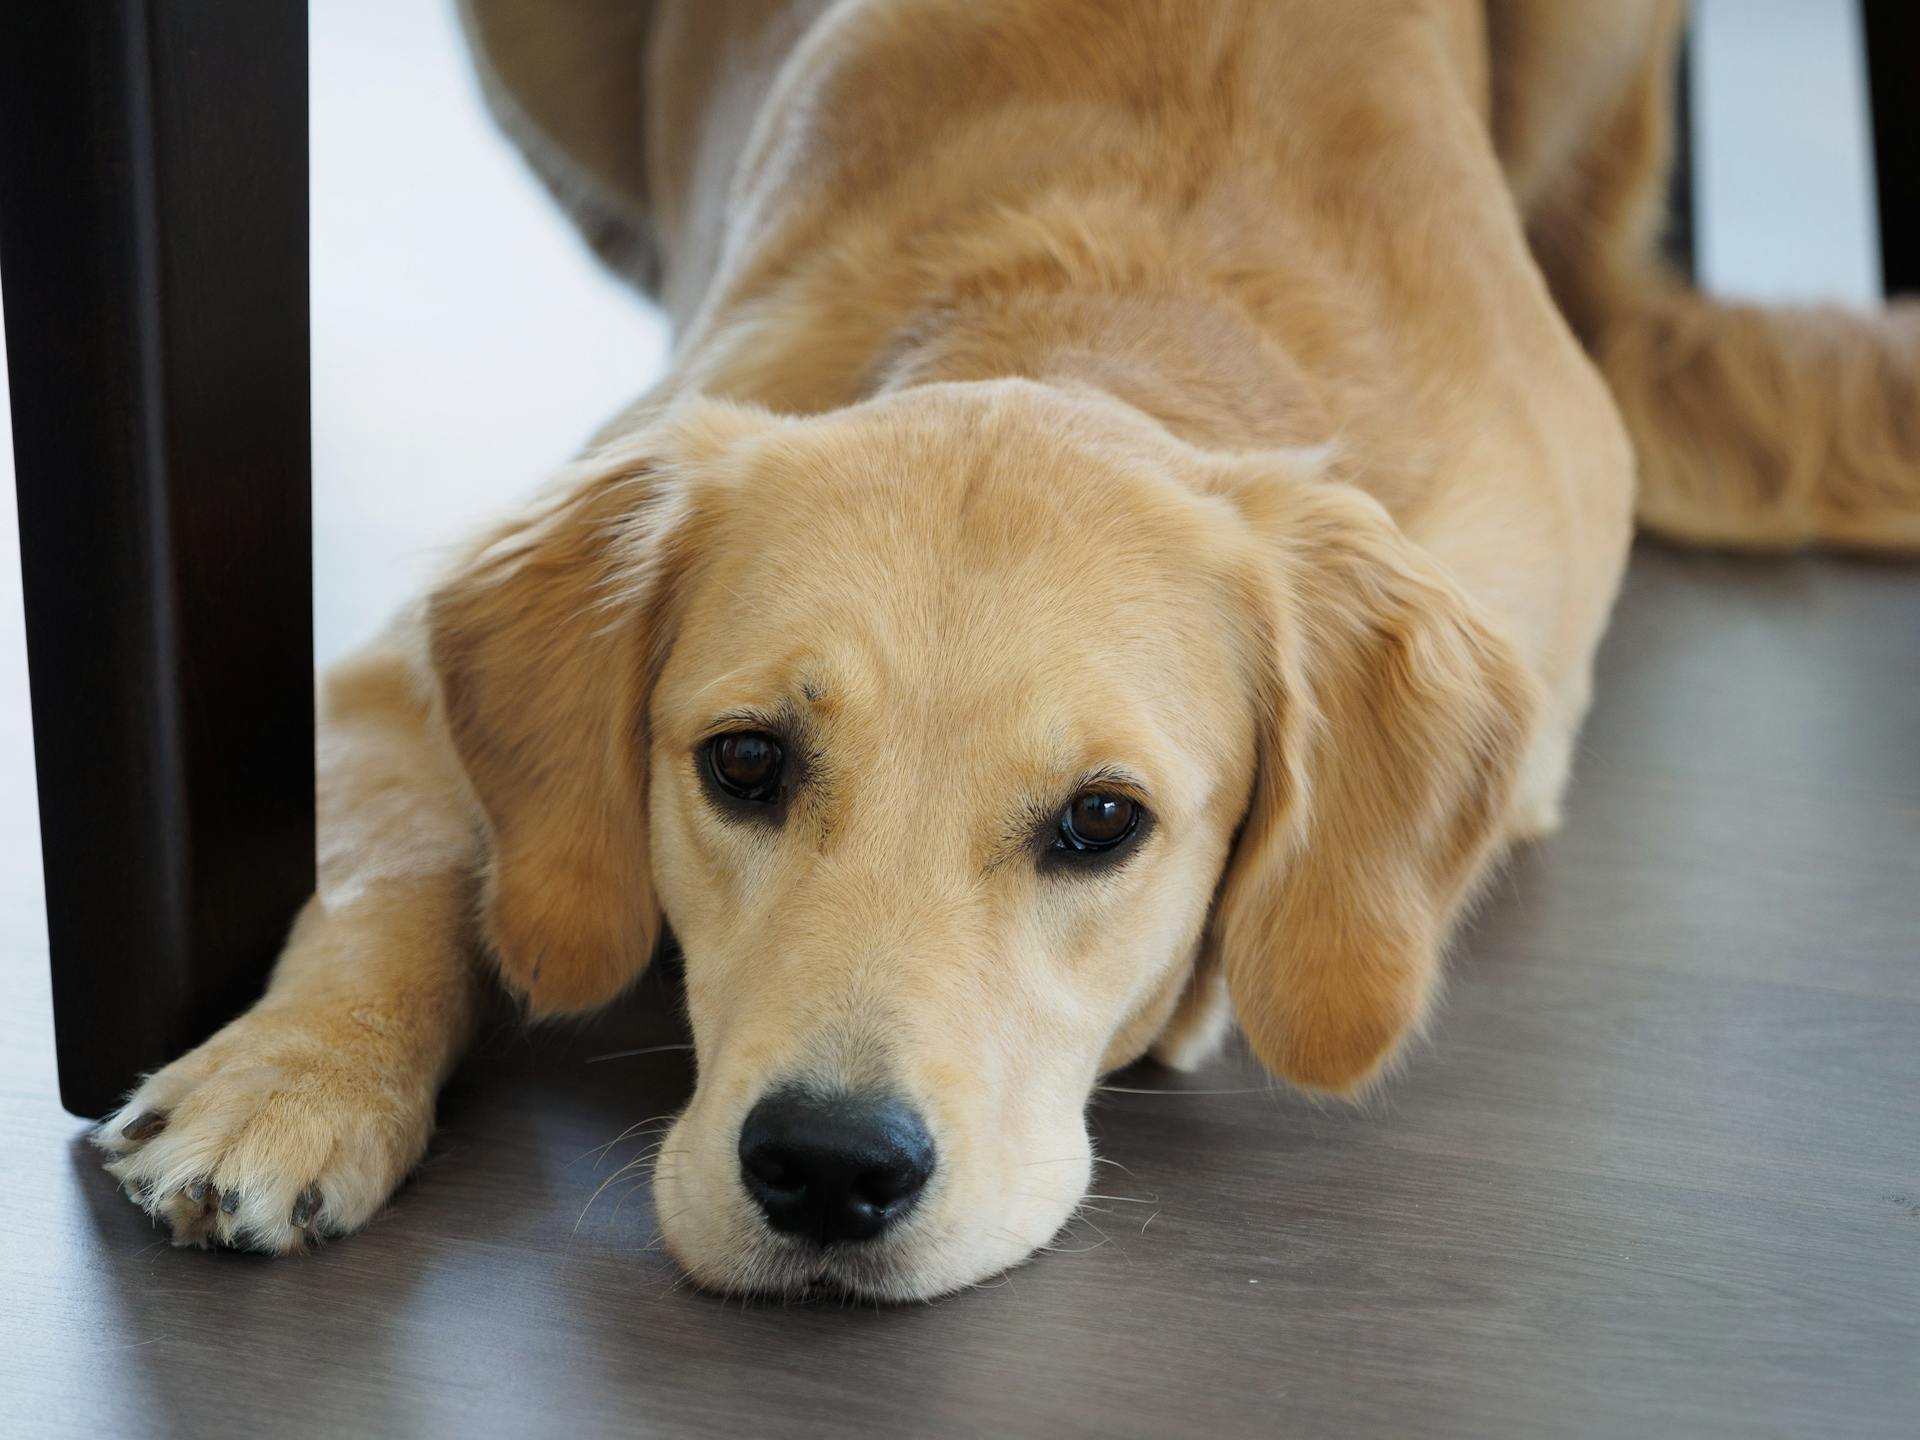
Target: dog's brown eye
1097 820
747 765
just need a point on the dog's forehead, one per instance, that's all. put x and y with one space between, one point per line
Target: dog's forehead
954 663
958 569
945 507
941 527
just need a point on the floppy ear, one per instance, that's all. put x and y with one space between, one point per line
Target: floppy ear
545 643
1393 721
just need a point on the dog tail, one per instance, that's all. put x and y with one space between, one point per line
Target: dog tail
1764 428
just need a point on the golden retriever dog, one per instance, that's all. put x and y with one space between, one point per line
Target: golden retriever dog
1119 551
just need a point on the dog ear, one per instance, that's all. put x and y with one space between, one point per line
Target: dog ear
545 641
1392 724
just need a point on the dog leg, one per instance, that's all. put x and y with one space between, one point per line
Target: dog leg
300 1118
1547 769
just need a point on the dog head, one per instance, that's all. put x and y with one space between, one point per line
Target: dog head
972 741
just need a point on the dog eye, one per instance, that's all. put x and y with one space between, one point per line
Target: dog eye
1096 821
747 765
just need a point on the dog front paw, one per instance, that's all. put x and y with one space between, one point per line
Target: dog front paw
277 1132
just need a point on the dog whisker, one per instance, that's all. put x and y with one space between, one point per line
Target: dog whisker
601 1150
643 1050
1105 1238
624 1169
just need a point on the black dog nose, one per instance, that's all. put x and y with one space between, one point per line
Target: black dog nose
834 1167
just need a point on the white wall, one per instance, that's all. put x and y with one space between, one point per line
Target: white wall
1783 163
464 342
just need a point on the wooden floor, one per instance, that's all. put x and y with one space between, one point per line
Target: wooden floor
1657 1173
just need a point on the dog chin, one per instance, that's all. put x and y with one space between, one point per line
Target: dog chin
888 1272
796 1270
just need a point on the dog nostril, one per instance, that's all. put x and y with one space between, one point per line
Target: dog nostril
773 1170
888 1186
834 1167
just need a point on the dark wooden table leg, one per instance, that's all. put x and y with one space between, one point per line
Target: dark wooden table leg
1892 31
1680 236
153 251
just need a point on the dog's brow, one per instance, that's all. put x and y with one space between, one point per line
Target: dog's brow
778 718
1115 777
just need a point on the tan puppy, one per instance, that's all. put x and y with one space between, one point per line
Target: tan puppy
1124 538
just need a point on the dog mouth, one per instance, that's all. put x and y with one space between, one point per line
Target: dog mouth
799 1271
912 1267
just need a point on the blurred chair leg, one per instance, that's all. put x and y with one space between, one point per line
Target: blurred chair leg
1678 239
153 250
1892 32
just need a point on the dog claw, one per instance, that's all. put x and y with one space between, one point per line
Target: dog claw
229 1202
144 1127
306 1207
197 1191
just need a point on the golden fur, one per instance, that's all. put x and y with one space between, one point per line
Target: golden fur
1192 395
